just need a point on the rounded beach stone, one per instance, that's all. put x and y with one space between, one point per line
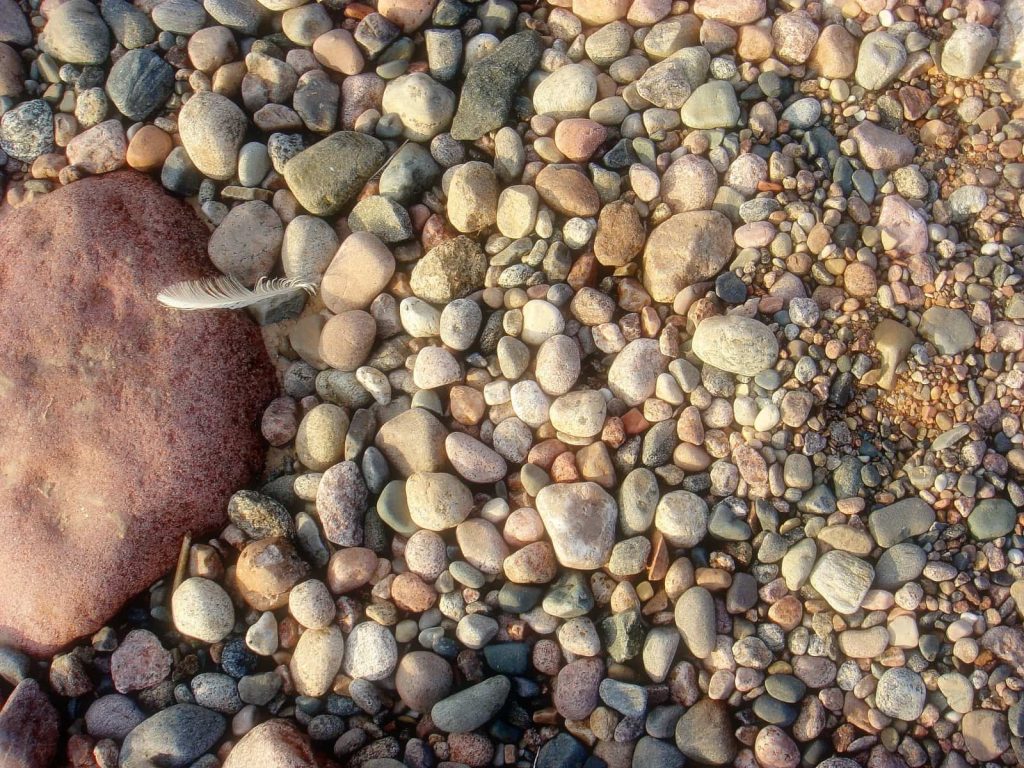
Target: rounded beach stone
360 270
212 128
246 244
423 679
208 370
278 743
437 500
736 344
685 249
346 339
317 659
203 610
371 652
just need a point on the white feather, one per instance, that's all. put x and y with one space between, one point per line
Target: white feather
228 293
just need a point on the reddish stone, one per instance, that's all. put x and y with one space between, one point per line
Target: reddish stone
139 662
130 424
28 728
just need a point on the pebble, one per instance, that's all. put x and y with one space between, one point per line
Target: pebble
212 129
685 249
203 610
471 707
75 33
580 520
424 106
422 679
177 736
247 243
316 660
736 344
371 652
842 579
328 174
900 694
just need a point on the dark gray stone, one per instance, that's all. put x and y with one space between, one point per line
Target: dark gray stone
172 738
26 132
131 26
491 85
139 83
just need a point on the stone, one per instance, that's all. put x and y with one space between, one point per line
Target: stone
491 84
471 707
325 177
474 461
733 12
243 16
666 84
341 500
76 33
112 717
371 652
424 106
29 728
835 53
316 660
148 149
120 231
130 25
879 60
12 75
950 330
274 744
337 51
695 619
580 520
842 580
410 171
437 501
212 128
737 344
966 51
451 270
690 184
358 273
620 234
705 731
26 131
266 571
633 374
101 149
407 14
310 603
308 248
568 191
902 520
175 736
413 442
182 17
986 734
139 83
422 679
472 197
569 91
711 105
904 225
346 339
685 249
383 217
991 519
203 610
900 694
247 243
682 517
14 28
211 47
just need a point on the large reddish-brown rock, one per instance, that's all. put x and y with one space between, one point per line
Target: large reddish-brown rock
28 728
125 424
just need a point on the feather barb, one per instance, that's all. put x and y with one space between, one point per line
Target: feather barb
228 293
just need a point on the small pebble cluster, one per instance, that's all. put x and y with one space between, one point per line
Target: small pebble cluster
659 402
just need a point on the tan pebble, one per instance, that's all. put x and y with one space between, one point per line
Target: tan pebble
346 339
148 148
